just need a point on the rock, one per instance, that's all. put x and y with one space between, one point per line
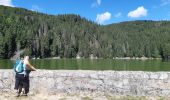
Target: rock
95 82
163 76
1 85
5 75
153 76
94 76
125 82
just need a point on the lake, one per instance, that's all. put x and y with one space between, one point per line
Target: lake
95 64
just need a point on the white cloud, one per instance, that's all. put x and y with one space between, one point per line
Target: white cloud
6 3
96 3
165 2
139 12
36 8
119 14
101 18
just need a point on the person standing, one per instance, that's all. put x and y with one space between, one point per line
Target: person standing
22 79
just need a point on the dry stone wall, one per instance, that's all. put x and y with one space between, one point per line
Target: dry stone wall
100 82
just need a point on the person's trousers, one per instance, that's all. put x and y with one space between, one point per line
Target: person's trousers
22 81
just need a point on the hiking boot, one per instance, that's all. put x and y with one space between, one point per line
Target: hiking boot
17 95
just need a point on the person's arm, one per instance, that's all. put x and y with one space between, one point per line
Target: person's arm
31 67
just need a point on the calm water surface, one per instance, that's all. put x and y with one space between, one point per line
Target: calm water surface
99 64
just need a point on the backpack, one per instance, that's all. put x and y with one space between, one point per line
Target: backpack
18 67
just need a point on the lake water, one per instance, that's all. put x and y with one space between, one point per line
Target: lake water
98 64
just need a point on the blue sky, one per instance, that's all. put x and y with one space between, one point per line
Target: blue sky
100 11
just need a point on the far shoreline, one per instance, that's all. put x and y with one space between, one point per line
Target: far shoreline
114 58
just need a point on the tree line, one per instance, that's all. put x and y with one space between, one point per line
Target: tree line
69 35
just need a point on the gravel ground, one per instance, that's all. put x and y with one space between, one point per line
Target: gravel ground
63 96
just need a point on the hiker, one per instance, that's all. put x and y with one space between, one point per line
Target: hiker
22 77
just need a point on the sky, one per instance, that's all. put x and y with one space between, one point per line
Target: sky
99 11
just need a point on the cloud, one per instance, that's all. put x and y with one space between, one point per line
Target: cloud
36 8
101 18
139 12
165 2
97 3
6 3
119 14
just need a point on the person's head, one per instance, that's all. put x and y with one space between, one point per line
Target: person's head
26 58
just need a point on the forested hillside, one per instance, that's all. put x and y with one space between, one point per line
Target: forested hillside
70 35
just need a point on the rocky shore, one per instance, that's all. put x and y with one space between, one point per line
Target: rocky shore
90 84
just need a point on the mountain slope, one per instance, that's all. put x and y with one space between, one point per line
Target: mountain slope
70 35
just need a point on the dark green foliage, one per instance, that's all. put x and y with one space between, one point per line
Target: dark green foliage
70 35
166 51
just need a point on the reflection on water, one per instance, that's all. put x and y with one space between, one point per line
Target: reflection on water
98 64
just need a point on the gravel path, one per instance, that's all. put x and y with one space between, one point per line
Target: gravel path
63 96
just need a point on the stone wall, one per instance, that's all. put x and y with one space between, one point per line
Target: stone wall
100 82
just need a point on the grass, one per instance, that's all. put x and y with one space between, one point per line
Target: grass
86 98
